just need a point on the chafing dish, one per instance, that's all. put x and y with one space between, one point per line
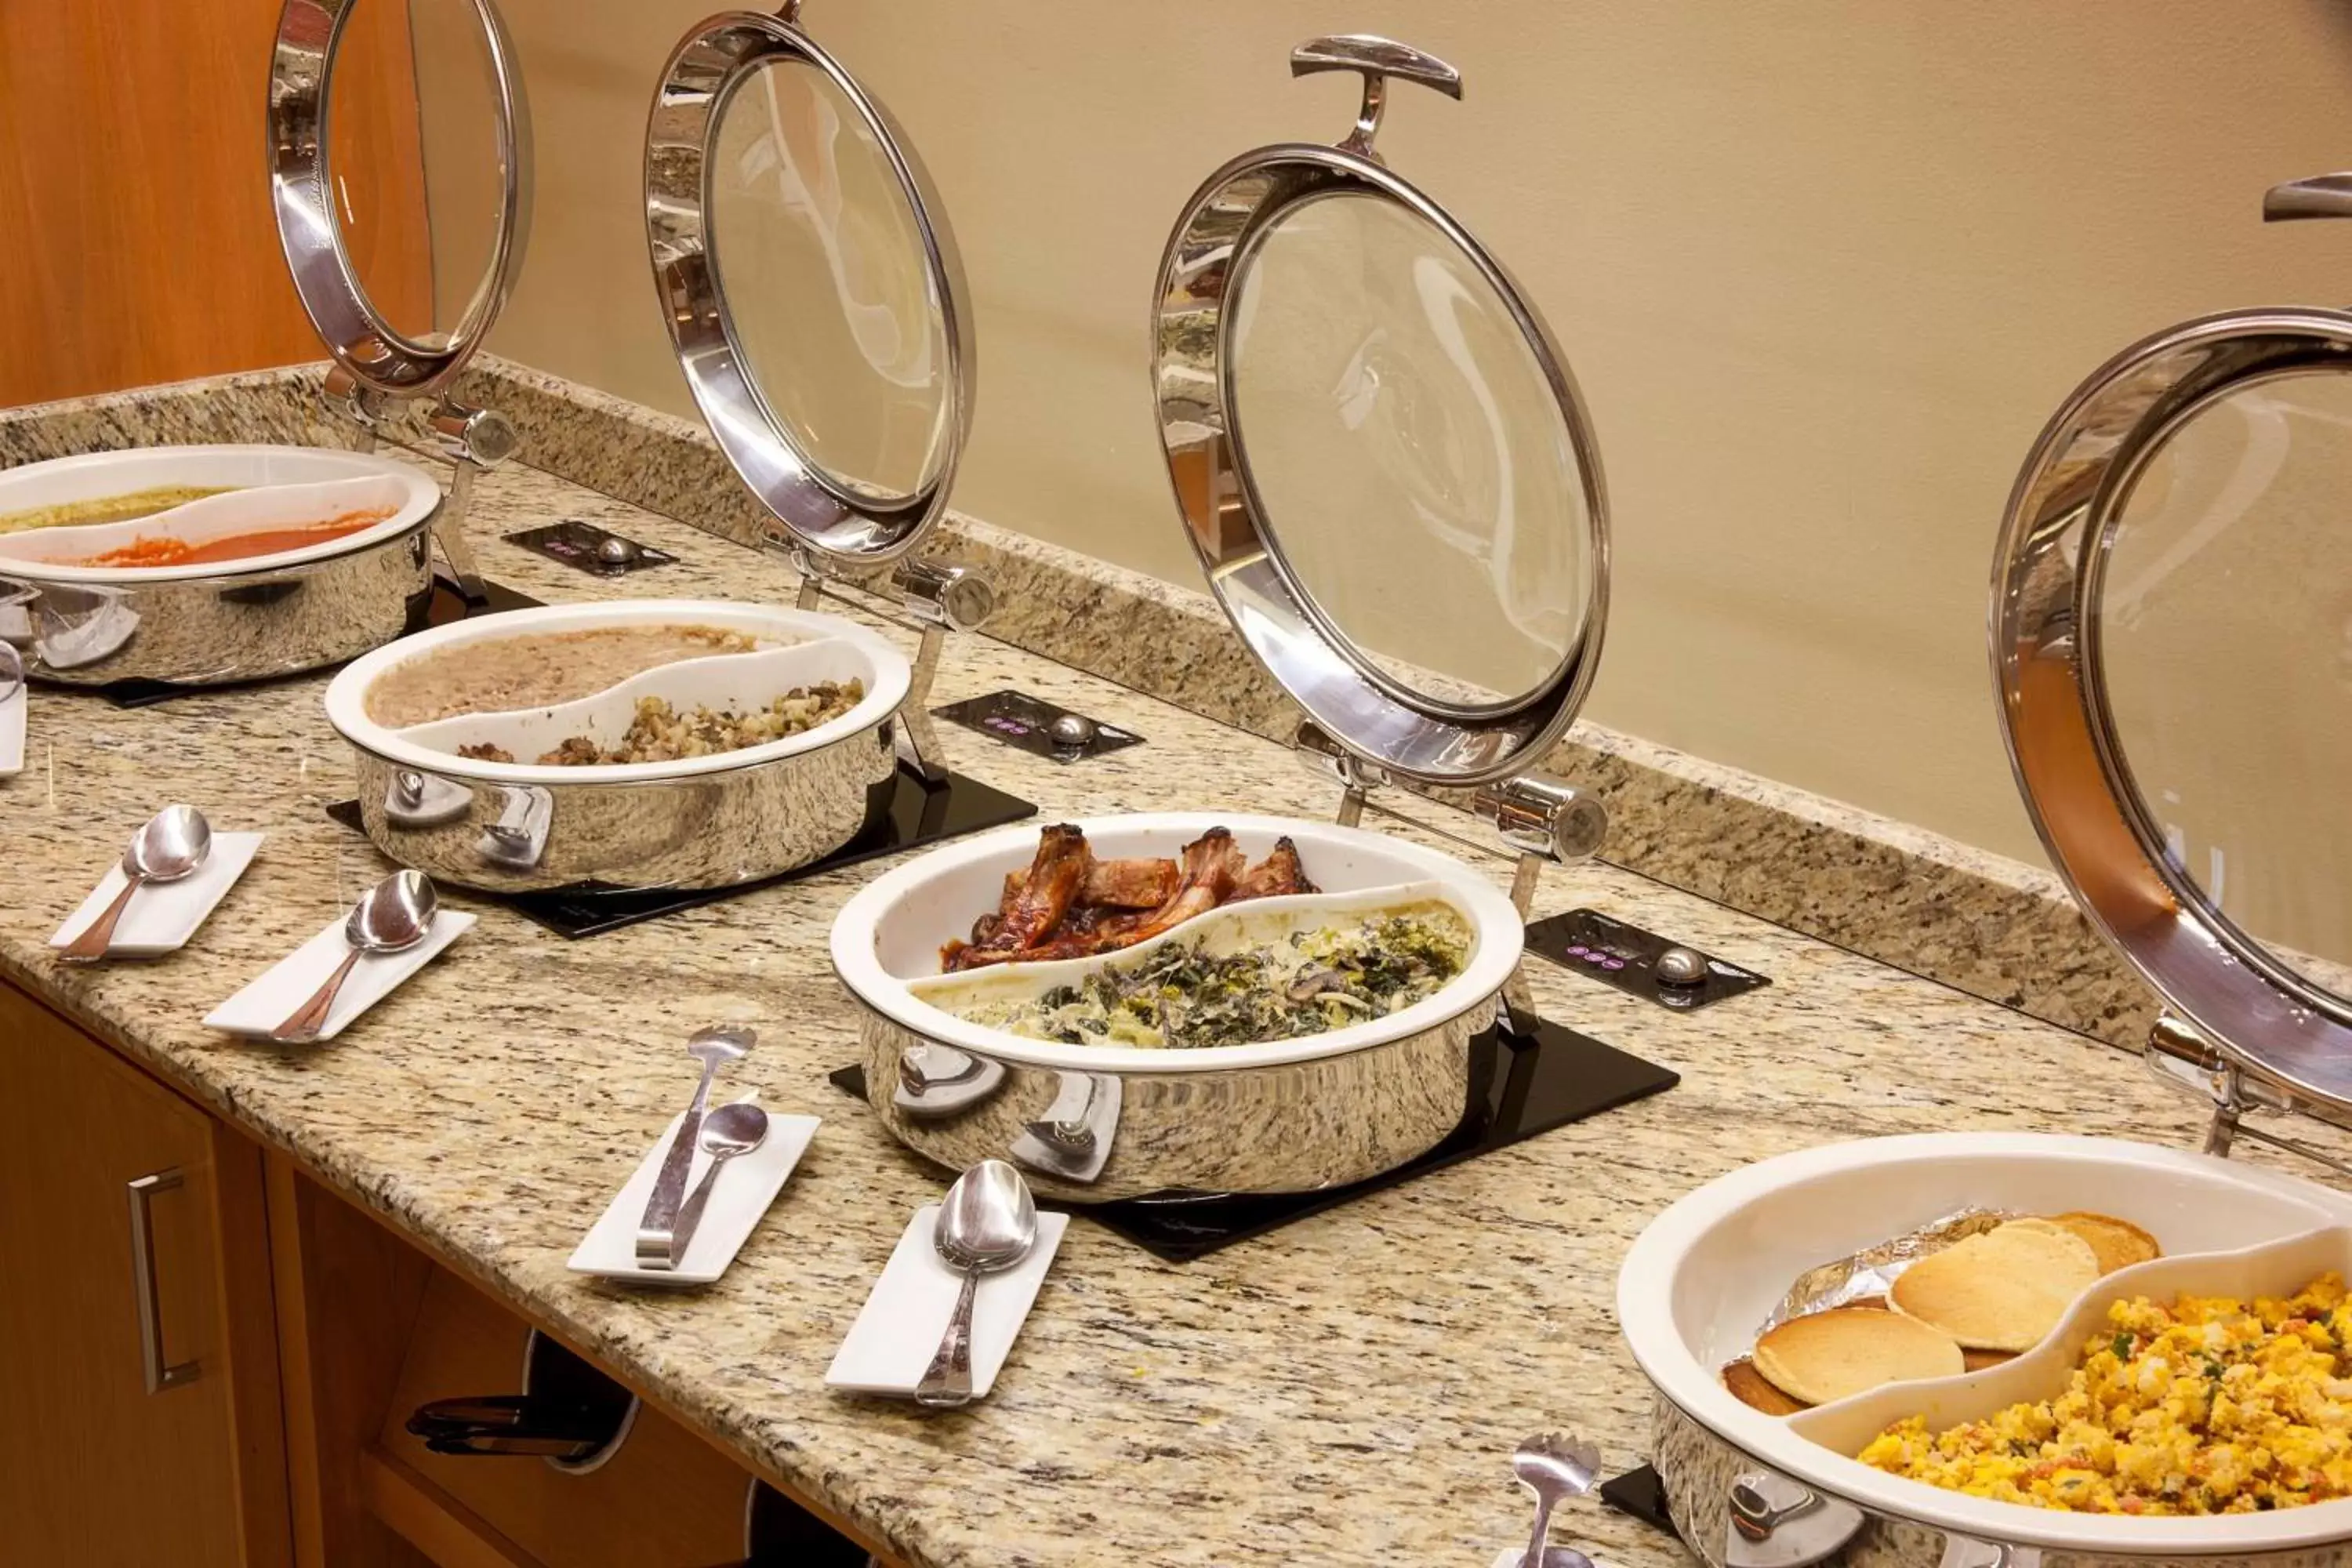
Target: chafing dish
1453 476
211 624
703 822
2175 524
1698 1284
1285 1116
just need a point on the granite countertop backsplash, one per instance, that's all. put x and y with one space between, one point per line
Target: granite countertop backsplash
1343 1391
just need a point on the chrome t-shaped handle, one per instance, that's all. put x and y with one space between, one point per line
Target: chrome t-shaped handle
1376 59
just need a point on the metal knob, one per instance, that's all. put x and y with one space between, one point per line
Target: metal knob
1542 815
482 437
1679 966
1073 732
615 550
956 597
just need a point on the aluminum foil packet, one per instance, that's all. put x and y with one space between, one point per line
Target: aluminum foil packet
1872 1271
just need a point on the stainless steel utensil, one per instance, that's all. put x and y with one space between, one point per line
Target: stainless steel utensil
391 917
12 671
714 1048
987 1222
168 846
1555 1466
732 1130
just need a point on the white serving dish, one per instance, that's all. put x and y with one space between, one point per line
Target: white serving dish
1705 1274
890 1345
270 998
1253 921
890 934
838 648
279 487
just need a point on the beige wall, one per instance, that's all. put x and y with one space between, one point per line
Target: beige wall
1822 270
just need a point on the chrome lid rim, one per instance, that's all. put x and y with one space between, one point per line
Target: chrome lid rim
806 507
355 332
2044 619
1412 735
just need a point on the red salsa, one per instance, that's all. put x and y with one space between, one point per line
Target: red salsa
167 551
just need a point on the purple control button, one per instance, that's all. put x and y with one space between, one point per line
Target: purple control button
1579 950
1612 963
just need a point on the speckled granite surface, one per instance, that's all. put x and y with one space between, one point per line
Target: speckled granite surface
1343 1392
1991 926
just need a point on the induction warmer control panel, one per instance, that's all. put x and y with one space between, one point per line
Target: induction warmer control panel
1655 968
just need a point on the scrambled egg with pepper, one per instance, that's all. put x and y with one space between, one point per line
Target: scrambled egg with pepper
2208 1407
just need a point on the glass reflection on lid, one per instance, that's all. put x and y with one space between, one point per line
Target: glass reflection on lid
829 298
1407 446
2225 657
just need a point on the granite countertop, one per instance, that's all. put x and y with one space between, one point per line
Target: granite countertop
1344 1391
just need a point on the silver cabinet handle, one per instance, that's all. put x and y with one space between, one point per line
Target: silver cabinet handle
160 1376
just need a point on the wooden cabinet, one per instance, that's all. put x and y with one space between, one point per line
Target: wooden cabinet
207 1360
98 1468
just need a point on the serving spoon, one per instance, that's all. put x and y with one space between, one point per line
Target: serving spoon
167 848
1555 1469
987 1222
729 1131
391 917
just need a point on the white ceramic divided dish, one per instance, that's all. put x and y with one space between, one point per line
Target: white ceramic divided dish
275 487
891 932
849 649
737 682
2277 1268
1705 1274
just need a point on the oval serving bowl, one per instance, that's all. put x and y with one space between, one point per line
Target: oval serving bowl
211 623
1282 1116
1704 1274
699 822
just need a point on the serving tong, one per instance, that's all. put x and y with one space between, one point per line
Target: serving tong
661 1237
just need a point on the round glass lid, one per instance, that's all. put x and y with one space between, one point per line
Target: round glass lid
2173 638
809 286
1379 453
400 174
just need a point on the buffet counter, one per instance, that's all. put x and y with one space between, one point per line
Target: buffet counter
1345 1391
